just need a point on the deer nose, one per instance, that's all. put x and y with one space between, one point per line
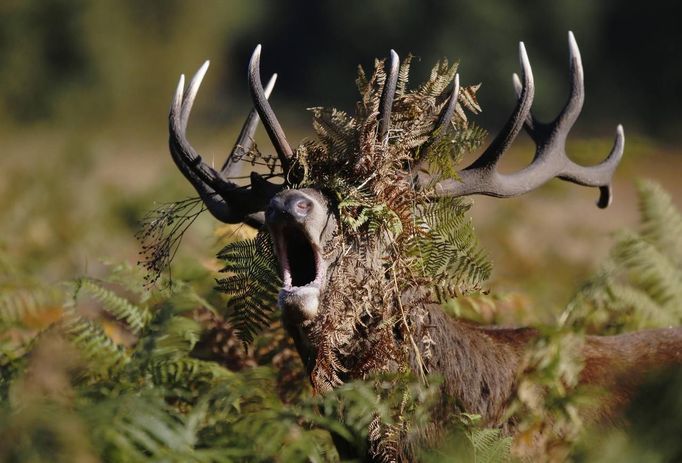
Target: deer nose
290 206
301 207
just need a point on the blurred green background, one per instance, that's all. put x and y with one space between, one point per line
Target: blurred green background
85 87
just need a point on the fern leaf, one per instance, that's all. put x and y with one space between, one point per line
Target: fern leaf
649 269
441 76
28 305
638 305
403 76
253 285
447 249
170 372
136 318
640 285
93 343
490 445
661 222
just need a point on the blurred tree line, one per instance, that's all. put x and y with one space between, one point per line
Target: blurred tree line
116 61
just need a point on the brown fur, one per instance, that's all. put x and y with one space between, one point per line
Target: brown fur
480 365
619 364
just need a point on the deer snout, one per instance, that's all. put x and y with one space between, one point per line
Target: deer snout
291 205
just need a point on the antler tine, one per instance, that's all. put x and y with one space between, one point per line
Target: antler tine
599 175
246 135
574 105
224 199
551 138
191 93
440 128
267 115
550 158
183 153
569 114
481 177
388 95
446 116
491 156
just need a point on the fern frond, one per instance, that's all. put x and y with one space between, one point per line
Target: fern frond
335 128
640 285
441 76
27 305
178 371
446 152
131 278
403 75
661 222
136 318
139 427
638 306
98 348
176 337
469 100
253 285
490 445
650 270
447 250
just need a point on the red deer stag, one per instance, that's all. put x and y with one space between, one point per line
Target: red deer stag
353 202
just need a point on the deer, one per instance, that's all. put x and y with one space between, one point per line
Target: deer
382 324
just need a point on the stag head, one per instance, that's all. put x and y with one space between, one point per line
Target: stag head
315 216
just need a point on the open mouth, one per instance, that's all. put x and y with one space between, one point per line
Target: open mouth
299 259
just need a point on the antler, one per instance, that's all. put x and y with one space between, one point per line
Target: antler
439 130
270 122
227 201
388 95
550 159
245 140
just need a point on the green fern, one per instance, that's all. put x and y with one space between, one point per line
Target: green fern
252 286
447 250
490 445
661 223
140 427
93 343
646 267
470 442
175 335
641 283
178 371
447 149
23 303
136 318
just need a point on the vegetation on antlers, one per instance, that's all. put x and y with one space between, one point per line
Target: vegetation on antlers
387 226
